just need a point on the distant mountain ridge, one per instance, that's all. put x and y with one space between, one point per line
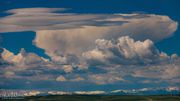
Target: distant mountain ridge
144 91
148 91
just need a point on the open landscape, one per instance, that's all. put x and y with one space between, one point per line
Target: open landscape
96 98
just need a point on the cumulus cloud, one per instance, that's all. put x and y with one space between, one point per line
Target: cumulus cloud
61 78
124 51
99 48
68 68
126 57
76 41
23 61
22 58
75 78
71 34
110 62
2 61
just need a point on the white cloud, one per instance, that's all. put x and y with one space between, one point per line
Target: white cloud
113 59
22 58
124 51
110 62
74 78
71 34
9 74
172 71
68 68
10 57
89 92
33 19
34 10
61 78
76 41
107 78
77 79
164 72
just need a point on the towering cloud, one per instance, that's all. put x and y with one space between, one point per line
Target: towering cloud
78 40
91 48
71 34
124 51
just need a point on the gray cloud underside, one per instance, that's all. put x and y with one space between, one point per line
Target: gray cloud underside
117 45
109 63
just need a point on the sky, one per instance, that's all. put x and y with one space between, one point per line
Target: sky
85 45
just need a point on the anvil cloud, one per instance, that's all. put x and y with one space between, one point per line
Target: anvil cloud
94 48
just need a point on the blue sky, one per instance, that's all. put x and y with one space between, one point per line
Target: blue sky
71 60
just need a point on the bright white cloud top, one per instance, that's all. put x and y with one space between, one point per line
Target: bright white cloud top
117 45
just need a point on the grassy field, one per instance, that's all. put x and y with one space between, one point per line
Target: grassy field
97 98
